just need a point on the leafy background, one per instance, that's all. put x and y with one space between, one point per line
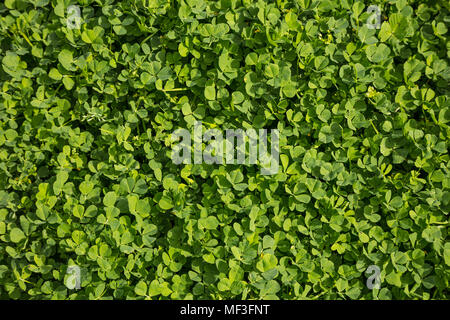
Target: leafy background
85 171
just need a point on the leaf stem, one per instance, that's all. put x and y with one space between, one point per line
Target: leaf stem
371 122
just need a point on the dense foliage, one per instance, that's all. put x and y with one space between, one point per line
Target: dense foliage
86 178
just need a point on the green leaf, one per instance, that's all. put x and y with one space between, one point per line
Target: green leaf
16 235
54 74
211 223
65 57
141 288
210 92
165 203
110 199
268 262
